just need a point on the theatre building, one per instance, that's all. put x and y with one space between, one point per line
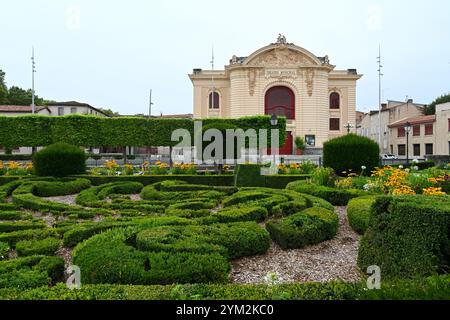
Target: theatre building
283 79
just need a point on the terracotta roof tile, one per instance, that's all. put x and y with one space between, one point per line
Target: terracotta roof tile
26 109
414 121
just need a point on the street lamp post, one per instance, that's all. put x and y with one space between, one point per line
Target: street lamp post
274 123
408 130
349 126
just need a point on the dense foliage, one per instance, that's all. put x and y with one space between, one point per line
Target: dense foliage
311 226
92 131
407 236
351 152
358 213
60 160
434 288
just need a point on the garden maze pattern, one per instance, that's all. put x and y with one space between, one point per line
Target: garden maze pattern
178 233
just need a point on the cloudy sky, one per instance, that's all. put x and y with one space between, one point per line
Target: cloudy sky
110 53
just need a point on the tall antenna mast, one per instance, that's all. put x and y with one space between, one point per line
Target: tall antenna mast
33 71
212 79
380 74
150 103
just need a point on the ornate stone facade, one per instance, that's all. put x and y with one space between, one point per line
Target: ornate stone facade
244 84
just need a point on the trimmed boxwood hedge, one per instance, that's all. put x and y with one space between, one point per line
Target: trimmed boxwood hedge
282 180
13 237
88 130
93 197
11 226
358 213
47 246
311 226
351 152
433 288
30 272
212 180
59 160
193 253
236 214
407 236
338 197
14 215
60 187
4 249
107 258
233 240
248 175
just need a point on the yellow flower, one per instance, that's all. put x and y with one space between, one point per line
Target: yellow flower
111 164
436 180
13 165
433 192
29 166
403 190
128 166
1 165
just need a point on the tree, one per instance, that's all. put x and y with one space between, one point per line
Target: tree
3 88
431 109
20 97
110 113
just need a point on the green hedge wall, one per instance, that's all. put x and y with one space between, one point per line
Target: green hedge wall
337 197
38 130
248 175
212 180
407 236
358 213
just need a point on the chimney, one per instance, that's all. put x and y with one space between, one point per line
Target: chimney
383 106
197 71
352 71
410 101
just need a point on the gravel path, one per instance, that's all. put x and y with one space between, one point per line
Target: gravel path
66 254
49 219
135 197
70 199
329 260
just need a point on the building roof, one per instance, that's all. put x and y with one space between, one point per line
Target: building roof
167 116
19 109
414 121
75 104
176 116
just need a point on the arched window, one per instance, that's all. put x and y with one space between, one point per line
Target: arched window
214 100
280 101
335 101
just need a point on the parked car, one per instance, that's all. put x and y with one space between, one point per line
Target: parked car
388 156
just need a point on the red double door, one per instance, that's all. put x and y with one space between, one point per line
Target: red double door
287 148
280 100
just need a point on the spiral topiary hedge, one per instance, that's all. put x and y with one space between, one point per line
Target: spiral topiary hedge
311 226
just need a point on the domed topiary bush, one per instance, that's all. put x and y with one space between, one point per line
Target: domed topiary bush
59 160
351 152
